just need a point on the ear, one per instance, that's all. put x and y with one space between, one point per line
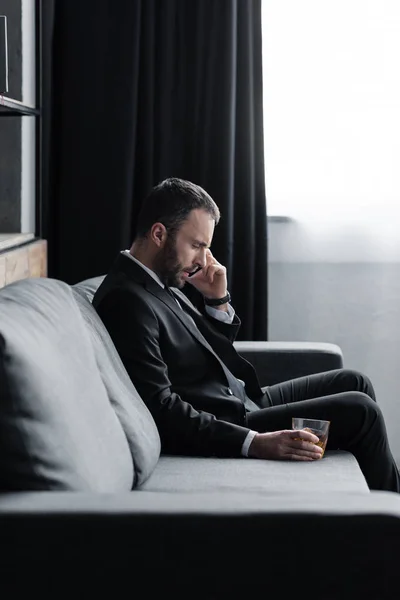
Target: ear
158 234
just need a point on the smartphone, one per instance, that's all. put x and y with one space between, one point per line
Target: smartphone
196 271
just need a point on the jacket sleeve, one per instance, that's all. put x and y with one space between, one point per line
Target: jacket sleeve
229 330
134 329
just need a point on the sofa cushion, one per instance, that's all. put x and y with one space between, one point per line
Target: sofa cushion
88 287
137 422
338 471
58 430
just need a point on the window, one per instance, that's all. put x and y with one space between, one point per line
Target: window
332 108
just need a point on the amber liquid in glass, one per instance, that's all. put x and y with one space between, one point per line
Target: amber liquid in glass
321 442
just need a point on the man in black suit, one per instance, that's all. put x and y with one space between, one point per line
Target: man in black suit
204 397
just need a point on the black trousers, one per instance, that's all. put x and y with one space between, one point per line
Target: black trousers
345 398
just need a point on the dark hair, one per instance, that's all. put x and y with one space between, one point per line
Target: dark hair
170 203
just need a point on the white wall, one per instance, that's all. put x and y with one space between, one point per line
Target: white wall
332 148
28 123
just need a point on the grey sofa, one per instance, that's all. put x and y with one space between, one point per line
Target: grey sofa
88 505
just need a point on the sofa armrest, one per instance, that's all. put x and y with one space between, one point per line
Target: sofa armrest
174 542
279 361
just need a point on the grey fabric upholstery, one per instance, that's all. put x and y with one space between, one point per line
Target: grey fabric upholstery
57 428
138 503
54 340
279 361
337 470
88 287
136 420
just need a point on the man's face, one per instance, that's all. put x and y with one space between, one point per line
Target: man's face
186 251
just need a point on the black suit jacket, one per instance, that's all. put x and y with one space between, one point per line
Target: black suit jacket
178 367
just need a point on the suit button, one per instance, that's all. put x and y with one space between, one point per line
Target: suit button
230 392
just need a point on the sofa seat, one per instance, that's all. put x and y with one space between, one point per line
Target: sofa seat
337 471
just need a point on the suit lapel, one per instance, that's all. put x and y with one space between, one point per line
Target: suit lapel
184 301
184 318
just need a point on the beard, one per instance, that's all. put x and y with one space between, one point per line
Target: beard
167 265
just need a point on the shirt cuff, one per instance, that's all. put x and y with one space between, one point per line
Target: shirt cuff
221 315
246 444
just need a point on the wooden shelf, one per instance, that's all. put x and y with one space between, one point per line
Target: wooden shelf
23 261
15 108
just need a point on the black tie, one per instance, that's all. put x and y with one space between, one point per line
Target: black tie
171 293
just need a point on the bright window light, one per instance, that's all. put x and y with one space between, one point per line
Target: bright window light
332 108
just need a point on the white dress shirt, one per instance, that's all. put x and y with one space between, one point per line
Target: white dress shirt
220 315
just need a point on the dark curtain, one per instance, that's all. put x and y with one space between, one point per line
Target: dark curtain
139 90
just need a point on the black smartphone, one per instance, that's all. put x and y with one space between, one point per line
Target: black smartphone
196 271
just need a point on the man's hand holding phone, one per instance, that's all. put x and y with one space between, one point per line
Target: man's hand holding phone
211 280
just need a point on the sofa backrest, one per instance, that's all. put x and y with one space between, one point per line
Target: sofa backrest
61 424
137 422
88 287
